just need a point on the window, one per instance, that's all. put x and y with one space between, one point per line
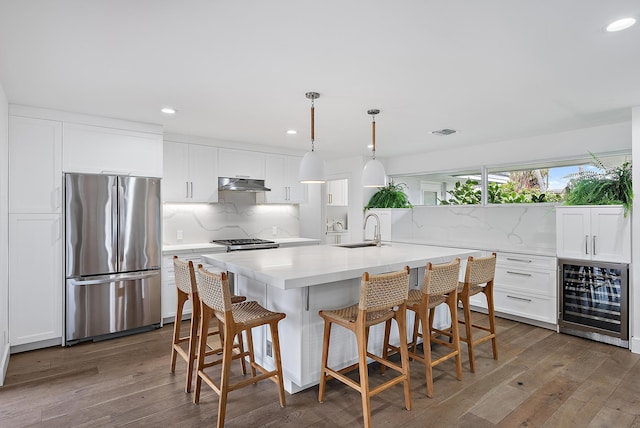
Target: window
527 183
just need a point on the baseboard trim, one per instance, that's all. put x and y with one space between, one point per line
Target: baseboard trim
635 345
4 365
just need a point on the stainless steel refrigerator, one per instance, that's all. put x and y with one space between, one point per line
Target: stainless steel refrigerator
113 253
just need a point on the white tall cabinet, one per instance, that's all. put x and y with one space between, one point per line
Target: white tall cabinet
35 230
44 144
599 233
190 173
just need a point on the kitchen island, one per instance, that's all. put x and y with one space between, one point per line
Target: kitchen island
303 280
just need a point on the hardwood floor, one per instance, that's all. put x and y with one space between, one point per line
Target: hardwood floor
541 379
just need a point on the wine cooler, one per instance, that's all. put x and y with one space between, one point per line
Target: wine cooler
594 300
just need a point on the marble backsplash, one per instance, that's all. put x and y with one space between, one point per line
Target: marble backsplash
523 228
236 215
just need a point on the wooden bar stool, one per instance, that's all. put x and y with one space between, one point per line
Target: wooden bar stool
440 285
382 298
215 301
478 278
186 286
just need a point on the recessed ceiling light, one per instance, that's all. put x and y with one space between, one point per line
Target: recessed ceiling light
292 132
168 110
621 24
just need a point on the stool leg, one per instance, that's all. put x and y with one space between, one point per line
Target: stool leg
193 342
227 356
425 313
252 360
182 297
488 292
241 349
364 374
467 325
276 355
385 346
455 333
401 321
414 337
205 316
325 358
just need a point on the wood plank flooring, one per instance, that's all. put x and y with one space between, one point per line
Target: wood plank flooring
541 379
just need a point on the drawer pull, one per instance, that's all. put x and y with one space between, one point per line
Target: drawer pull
518 260
518 273
519 298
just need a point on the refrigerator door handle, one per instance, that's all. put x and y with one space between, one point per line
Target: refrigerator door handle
114 278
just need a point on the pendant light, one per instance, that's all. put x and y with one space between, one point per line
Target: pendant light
373 174
312 165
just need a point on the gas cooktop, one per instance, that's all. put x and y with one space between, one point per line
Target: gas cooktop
246 244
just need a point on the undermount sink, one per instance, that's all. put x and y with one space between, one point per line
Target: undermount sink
359 245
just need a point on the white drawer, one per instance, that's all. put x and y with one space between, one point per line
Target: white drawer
526 261
527 280
526 305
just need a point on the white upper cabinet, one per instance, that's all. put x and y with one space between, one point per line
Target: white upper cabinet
241 164
35 165
599 233
281 174
102 150
190 173
338 192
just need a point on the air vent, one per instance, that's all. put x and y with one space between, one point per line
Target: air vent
443 132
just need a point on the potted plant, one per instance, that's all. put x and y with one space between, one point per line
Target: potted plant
390 196
608 186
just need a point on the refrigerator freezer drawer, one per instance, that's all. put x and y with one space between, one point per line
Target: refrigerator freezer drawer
111 303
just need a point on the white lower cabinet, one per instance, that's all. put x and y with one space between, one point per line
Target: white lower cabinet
35 278
525 287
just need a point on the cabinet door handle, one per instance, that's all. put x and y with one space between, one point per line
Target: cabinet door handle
518 298
191 182
519 260
586 244
593 245
518 273
242 176
187 194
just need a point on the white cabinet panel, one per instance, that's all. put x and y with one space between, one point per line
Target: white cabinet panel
281 174
593 233
35 165
100 150
338 192
241 164
203 173
190 173
35 297
175 179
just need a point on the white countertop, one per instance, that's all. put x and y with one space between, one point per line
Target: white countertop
288 268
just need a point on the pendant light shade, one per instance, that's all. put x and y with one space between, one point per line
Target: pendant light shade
312 168
312 165
374 174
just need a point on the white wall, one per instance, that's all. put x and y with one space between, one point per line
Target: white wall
608 138
4 239
634 282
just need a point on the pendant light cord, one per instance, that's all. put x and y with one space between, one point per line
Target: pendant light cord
373 135
313 109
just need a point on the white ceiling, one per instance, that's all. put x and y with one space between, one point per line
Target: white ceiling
238 70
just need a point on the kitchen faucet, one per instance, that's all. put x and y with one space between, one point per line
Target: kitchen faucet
376 231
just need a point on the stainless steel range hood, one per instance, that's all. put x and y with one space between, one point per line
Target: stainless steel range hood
242 184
